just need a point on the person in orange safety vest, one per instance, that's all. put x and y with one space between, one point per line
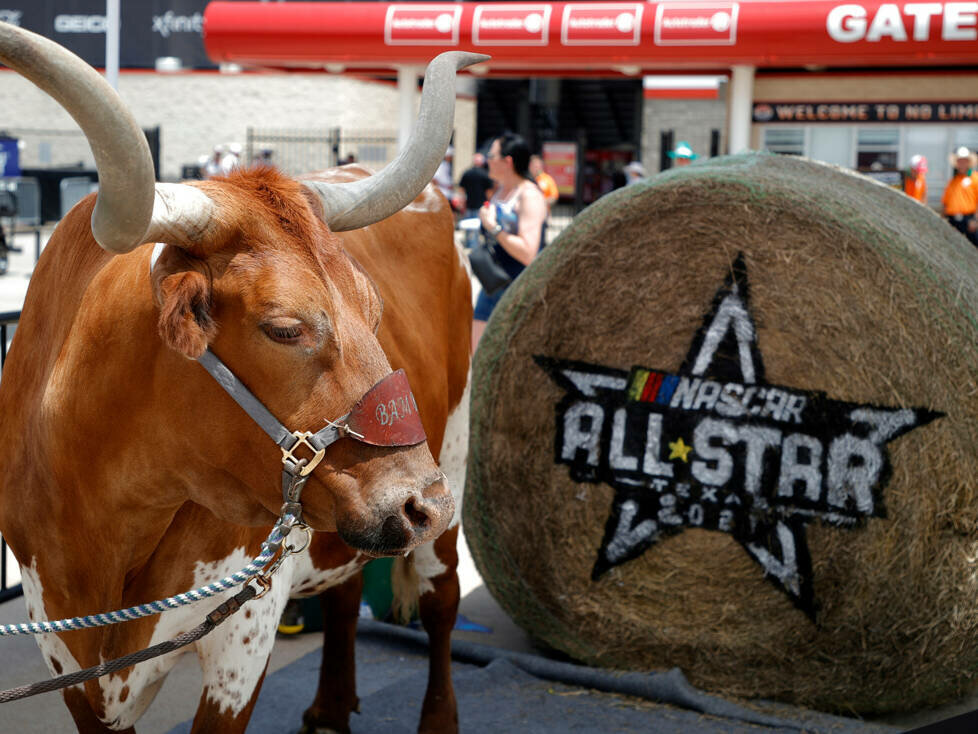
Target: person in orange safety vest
915 183
960 199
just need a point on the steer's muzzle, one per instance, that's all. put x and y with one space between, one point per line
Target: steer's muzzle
414 518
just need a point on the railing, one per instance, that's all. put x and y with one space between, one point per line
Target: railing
8 324
297 151
26 191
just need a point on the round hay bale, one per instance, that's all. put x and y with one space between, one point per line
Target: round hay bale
802 528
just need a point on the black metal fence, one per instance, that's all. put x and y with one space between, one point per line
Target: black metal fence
67 148
8 324
297 151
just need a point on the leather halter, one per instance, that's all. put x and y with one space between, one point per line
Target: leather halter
386 415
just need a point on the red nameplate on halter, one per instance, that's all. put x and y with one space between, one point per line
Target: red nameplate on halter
387 415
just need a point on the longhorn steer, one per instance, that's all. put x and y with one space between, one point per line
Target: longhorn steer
129 475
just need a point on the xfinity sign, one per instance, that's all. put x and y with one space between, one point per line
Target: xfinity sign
170 22
910 21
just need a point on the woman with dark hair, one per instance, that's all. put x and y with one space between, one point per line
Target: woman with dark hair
514 216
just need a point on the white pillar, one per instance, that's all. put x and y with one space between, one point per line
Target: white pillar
112 19
741 102
407 89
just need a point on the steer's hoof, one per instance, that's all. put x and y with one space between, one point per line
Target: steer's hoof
308 729
314 724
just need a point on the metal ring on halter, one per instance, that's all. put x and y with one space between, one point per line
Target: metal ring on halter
289 550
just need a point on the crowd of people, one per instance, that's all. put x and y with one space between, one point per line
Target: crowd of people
959 200
223 159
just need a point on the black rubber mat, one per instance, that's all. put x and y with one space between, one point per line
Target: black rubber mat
502 691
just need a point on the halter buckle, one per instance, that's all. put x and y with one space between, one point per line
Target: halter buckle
264 583
302 438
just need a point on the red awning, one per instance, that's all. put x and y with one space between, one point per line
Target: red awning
629 38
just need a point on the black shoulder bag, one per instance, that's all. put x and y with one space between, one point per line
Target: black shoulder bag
486 267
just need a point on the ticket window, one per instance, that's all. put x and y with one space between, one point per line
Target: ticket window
831 144
785 140
827 143
877 149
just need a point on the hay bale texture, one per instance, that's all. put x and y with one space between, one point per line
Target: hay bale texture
856 292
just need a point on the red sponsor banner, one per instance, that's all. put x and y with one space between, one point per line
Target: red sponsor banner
696 24
675 93
701 35
417 25
511 25
601 24
560 161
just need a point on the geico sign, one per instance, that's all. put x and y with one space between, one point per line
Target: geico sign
917 21
79 23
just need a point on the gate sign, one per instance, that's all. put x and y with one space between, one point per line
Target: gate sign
513 25
601 24
696 24
718 447
422 25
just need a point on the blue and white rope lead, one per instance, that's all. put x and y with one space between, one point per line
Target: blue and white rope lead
268 550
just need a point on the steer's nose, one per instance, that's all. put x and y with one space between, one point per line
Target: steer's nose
400 528
416 520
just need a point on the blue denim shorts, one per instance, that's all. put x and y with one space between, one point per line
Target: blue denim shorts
484 305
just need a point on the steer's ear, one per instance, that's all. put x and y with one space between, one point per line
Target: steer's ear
183 294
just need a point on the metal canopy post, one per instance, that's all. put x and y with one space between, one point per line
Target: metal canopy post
112 22
741 101
407 88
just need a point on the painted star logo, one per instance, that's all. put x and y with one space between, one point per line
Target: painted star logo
716 446
679 450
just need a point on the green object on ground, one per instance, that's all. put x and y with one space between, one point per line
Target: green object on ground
377 591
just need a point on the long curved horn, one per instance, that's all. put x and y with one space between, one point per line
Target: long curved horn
368 200
123 217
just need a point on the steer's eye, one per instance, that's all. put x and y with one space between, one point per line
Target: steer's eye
284 331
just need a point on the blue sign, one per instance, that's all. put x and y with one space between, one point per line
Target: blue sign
9 157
